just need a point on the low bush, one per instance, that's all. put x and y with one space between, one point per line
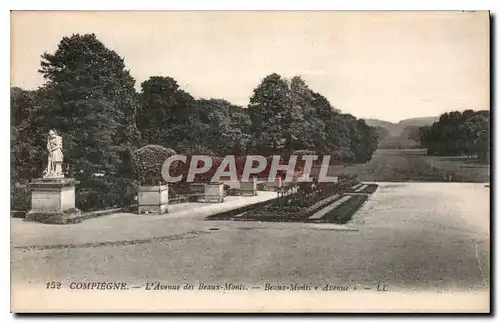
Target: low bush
179 189
307 194
20 198
261 186
91 194
233 192
105 192
148 162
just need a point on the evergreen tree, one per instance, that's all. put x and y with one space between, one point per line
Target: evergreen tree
459 133
90 99
26 151
297 118
269 110
225 127
167 115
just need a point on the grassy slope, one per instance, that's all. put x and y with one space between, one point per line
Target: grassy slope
394 165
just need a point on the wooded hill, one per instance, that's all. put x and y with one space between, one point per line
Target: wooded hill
397 129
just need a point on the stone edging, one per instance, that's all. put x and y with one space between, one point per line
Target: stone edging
83 216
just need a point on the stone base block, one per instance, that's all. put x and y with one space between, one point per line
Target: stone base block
53 201
249 188
153 199
214 192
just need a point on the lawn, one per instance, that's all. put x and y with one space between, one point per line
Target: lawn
411 165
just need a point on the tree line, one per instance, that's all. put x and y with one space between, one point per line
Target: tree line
459 133
90 99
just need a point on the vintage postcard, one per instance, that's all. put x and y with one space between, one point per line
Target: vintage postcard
250 161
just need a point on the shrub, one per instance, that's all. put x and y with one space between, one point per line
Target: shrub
347 178
207 176
105 192
182 169
148 162
91 194
262 186
233 192
20 198
179 188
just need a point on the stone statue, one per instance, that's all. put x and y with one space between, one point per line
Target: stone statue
53 196
54 166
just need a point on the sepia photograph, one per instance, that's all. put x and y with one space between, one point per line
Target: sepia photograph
250 161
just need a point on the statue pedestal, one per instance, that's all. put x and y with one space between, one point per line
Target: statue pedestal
53 201
153 199
249 188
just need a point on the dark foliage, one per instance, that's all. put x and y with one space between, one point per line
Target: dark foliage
105 192
20 198
459 133
288 116
148 162
89 98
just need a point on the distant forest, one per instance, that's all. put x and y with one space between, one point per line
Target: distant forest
459 133
451 134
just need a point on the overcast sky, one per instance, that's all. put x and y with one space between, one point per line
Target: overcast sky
385 65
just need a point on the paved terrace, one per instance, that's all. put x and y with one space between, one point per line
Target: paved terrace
181 218
407 236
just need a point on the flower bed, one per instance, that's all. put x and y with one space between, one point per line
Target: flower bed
344 212
296 203
369 189
295 207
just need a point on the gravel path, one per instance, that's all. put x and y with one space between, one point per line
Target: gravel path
408 236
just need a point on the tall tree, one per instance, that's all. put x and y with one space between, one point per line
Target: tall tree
269 109
306 128
26 152
167 115
90 99
459 133
289 113
225 127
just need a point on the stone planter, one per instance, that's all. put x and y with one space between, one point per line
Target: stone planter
53 201
214 192
153 199
249 188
